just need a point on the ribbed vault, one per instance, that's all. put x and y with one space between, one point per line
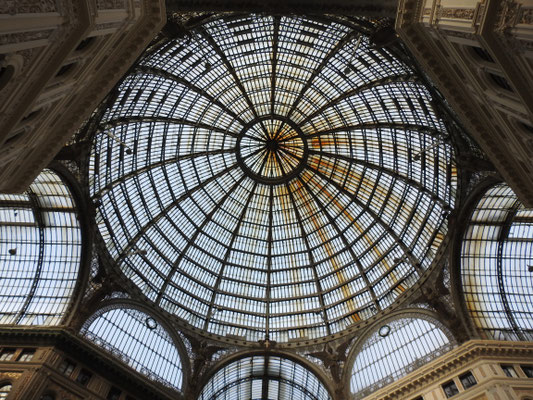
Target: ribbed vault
273 177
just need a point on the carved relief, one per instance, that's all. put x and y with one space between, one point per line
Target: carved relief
12 376
110 4
22 37
13 7
507 15
456 13
526 16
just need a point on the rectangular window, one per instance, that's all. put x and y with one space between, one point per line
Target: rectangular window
450 389
114 394
528 370
7 354
467 380
26 355
84 377
67 367
509 371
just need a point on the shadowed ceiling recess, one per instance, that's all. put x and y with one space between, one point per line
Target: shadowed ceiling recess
272 177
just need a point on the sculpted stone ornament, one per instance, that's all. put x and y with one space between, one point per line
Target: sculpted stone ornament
333 359
203 353
508 16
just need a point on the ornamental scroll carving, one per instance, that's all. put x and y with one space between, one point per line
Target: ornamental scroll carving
456 13
508 16
526 16
13 7
12 376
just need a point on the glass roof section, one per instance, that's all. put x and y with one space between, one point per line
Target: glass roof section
40 252
396 349
496 266
264 377
272 177
137 339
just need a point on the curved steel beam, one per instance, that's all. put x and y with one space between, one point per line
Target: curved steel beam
189 85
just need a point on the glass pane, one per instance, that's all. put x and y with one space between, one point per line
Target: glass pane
40 252
140 341
496 253
261 377
395 350
273 177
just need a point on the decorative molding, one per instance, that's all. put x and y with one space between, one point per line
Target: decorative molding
95 358
456 13
93 81
507 16
454 360
13 7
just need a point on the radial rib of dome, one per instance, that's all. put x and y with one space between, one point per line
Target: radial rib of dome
273 177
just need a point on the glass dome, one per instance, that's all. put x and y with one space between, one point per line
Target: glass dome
272 177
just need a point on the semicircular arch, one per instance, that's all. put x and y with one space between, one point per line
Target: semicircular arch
142 339
391 348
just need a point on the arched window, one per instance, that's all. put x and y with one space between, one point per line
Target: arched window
40 252
139 340
497 266
395 349
4 390
264 377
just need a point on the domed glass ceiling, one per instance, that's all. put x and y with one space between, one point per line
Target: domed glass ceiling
272 177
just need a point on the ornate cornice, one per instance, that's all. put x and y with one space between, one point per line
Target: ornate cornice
454 360
91 355
381 8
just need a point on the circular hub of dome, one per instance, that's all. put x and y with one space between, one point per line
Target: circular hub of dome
272 150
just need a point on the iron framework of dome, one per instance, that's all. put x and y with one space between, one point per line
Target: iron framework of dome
269 177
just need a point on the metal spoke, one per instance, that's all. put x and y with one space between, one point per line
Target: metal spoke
231 70
376 217
225 261
367 86
190 241
133 174
312 262
342 41
388 171
346 243
133 242
193 88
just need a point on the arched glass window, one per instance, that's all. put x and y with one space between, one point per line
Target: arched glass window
497 266
40 252
4 390
276 177
264 377
395 349
140 341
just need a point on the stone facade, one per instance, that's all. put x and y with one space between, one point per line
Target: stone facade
58 59
480 55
